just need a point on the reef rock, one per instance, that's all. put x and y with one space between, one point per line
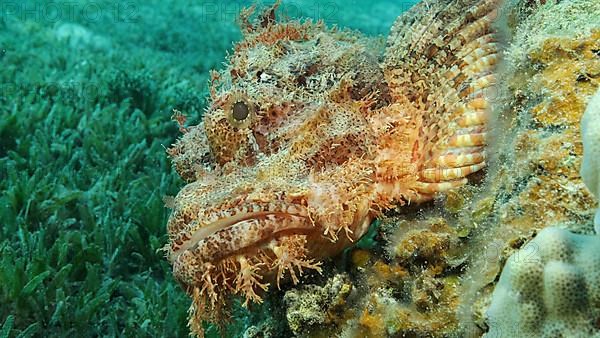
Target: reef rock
313 308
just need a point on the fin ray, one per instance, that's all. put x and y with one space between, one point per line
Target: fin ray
441 57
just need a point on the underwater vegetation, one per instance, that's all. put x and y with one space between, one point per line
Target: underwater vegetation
84 119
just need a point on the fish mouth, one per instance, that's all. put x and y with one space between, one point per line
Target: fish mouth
222 233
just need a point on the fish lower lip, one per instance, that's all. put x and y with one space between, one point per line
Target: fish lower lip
204 233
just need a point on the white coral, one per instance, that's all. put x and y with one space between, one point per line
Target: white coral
590 168
551 287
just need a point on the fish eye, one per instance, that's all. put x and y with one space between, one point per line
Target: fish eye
240 111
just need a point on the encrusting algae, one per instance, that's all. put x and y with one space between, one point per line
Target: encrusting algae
409 291
311 133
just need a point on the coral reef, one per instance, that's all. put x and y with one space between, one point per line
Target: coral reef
549 288
590 167
410 293
546 110
549 76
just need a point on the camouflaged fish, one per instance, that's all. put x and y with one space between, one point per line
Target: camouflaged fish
312 132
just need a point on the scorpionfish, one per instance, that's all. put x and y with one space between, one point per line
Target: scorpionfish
312 132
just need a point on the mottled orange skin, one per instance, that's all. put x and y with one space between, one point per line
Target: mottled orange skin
311 133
